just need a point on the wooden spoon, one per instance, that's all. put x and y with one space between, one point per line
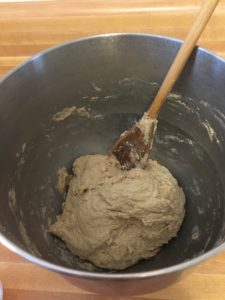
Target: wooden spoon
132 148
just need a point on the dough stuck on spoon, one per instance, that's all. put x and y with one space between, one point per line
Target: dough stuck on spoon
114 217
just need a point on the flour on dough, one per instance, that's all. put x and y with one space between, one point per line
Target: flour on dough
113 217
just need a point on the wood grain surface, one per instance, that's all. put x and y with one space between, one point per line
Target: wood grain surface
25 281
29 27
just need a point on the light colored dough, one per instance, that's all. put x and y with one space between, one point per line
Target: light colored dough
113 217
69 111
63 179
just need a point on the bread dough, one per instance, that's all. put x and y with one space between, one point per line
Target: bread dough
113 217
63 179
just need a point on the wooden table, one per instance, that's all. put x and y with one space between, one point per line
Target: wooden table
25 281
29 27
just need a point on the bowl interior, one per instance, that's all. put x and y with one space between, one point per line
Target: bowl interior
115 78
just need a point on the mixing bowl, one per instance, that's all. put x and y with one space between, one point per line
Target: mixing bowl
113 78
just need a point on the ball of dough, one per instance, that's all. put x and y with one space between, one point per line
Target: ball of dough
113 217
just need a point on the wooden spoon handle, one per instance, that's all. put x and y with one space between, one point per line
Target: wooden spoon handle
182 56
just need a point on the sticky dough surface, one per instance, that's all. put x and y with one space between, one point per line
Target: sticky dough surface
113 217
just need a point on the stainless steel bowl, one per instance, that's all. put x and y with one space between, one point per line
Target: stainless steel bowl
115 76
